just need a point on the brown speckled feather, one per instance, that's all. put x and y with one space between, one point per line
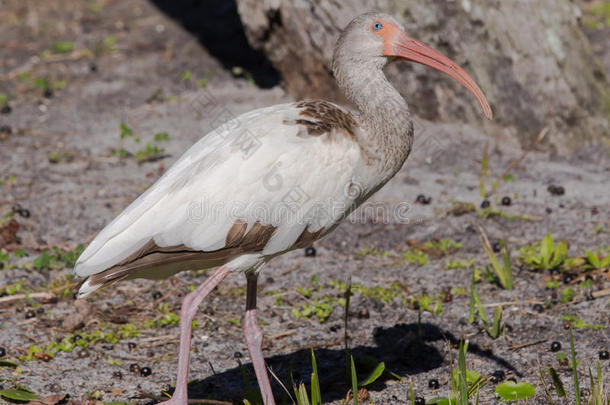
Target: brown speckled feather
322 117
169 260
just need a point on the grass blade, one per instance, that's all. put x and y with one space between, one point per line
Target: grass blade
354 381
507 273
480 309
496 328
463 381
19 395
547 393
411 392
574 369
302 395
592 385
244 375
316 395
561 392
286 391
592 258
546 247
503 272
375 374
471 308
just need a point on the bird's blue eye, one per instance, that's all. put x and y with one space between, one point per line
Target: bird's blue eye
377 26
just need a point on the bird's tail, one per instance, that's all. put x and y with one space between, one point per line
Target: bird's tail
87 286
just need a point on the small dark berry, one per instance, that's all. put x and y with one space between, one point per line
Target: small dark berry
538 308
555 346
506 201
157 295
93 67
567 279
364 313
48 93
567 325
6 109
310 252
415 305
270 280
603 355
548 210
45 357
238 355
334 328
40 310
30 314
494 379
421 199
134 368
485 204
496 247
117 374
145 372
131 345
556 190
420 401
24 213
3 352
76 337
499 374
433 383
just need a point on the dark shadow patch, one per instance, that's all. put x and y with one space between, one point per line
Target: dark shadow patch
218 27
398 346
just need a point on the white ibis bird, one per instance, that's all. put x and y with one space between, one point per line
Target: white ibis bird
306 166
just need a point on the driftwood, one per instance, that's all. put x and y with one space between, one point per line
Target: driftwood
530 57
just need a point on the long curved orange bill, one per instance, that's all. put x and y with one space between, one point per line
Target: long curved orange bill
411 49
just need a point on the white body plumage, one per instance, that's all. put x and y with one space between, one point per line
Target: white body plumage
262 167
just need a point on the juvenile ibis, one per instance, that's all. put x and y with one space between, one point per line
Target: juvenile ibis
271 180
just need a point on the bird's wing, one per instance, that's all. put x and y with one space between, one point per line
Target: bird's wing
266 181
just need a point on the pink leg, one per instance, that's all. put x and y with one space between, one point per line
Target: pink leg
254 341
190 305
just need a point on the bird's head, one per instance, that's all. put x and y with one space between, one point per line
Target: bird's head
374 39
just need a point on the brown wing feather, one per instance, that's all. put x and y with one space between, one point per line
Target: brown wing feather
170 260
321 117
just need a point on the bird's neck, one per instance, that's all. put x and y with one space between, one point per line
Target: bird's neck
384 116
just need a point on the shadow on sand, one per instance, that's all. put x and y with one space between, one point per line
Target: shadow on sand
398 346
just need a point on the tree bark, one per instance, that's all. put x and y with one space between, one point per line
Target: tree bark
530 58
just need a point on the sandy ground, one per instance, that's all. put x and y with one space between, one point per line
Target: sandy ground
138 79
